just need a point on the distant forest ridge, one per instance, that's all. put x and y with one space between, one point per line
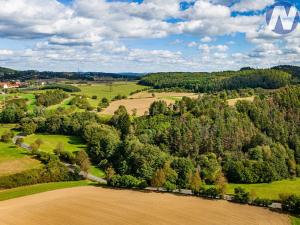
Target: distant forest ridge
7 74
273 78
157 80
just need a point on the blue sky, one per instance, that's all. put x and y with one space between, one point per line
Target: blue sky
141 36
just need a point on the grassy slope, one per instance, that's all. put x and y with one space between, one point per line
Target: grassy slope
34 189
13 159
71 143
270 191
105 90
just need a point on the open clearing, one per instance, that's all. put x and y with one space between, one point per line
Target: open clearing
270 191
96 206
142 101
70 143
13 159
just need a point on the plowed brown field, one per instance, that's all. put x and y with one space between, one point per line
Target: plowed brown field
99 206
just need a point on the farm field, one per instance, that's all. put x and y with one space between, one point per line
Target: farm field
89 205
142 101
70 143
270 191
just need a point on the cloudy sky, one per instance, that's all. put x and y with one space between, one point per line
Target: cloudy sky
141 35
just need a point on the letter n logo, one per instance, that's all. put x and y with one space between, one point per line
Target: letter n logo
282 17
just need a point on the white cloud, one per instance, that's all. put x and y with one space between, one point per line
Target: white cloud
250 5
206 39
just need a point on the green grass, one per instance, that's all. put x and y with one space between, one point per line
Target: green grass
270 191
295 220
71 143
108 91
34 189
13 159
97 172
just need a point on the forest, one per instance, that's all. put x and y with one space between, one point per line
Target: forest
218 81
174 146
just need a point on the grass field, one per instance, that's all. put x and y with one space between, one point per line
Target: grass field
70 143
97 172
270 191
13 159
109 91
295 220
34 189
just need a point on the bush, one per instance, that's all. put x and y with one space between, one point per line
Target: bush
170 186
298 170
210 192
241 196
94 97
262 202
7 136
126 181
290 203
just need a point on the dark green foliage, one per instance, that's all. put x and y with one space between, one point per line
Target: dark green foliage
210 193
291 203
158 107
121 121
241 196
50 98
208 82
102 141
126 181
184 168
64 87
12 113
261 202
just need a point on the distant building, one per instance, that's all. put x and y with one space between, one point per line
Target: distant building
7 85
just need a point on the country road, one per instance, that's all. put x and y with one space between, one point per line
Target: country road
82 173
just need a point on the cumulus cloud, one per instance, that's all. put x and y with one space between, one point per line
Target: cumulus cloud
93 32
252 5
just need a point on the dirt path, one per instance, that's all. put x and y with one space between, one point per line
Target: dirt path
99 206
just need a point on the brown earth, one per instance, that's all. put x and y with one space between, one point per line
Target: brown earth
99 206
142 101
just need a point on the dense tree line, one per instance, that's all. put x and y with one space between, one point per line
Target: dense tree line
210 82
50 98
64 87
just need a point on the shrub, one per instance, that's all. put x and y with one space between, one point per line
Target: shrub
126 181
210 192
241 196
262 202
290 203
94 97
170 186
7 136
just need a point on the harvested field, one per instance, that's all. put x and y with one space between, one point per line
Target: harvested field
142 101
232 102
97 206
